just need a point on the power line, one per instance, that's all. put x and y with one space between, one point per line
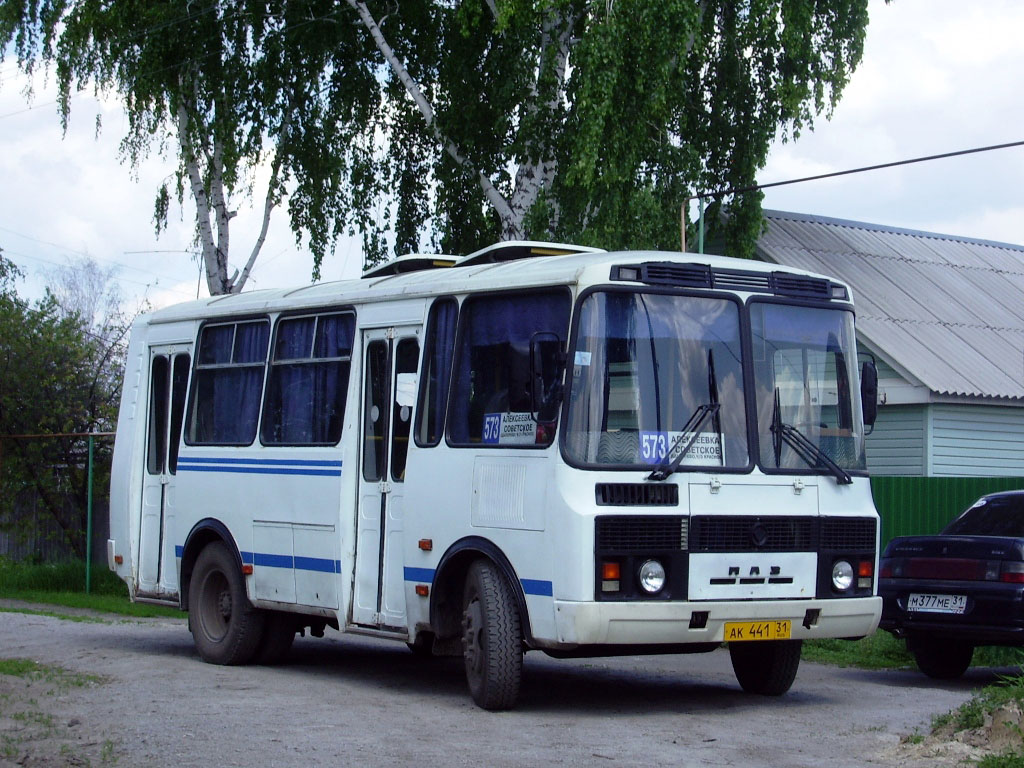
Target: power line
894 164
87 255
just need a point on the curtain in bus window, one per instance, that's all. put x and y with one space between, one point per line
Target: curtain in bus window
437 374
308 380
229 383
491 396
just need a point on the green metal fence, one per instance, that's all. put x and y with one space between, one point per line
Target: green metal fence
916 505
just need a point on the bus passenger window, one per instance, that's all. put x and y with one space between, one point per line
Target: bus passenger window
308 380
407 355
492 396
437 372
228 383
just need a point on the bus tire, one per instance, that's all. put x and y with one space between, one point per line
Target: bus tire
492 645
942 659
225 625
278 636
766 667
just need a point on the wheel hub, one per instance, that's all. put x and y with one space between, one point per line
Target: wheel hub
472 627
224 604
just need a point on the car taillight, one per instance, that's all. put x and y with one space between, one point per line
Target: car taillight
886 569
1012 573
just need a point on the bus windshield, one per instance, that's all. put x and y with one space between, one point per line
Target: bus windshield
805 377
657 383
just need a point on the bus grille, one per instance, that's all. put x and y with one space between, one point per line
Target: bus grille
641 533
752 534
637 495
856 533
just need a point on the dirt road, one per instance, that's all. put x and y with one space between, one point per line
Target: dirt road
347 700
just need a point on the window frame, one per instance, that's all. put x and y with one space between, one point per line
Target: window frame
555 290
422 405
316 314
197 367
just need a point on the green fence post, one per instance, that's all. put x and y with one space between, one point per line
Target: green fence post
88 524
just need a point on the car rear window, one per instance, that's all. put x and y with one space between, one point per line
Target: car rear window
991 516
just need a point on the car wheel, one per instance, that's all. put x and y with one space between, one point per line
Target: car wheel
942 659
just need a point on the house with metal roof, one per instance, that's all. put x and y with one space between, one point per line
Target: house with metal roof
944 318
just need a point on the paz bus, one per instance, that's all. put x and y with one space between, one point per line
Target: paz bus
536 447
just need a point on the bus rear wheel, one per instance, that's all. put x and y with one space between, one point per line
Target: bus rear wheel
492 644
766 667
225 626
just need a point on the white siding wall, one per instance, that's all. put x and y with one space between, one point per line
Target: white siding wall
897 444
976 440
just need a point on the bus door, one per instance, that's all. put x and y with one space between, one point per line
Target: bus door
390 359
169 367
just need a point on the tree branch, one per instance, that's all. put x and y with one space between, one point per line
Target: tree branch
269 203
214 280
511 228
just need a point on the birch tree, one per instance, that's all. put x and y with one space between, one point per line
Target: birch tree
589 121
233 92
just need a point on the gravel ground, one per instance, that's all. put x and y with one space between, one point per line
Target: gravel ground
349 700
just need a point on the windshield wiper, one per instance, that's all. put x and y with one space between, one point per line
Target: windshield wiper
803 447
691 428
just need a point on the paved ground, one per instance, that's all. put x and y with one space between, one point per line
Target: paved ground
347 700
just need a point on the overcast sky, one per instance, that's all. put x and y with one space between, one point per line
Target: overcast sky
937 76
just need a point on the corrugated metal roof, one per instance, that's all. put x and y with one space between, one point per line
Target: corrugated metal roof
947 310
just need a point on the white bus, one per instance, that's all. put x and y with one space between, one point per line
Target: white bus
542 447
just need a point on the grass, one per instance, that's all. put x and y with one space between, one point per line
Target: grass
64 584
50 673
878 651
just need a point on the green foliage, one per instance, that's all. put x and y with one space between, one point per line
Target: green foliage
60 373
457 123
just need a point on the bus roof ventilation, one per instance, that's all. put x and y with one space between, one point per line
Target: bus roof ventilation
705 276
413 262
513 250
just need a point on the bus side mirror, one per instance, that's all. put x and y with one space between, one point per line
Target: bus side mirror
547 361
869 392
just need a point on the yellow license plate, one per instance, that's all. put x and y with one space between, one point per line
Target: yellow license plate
776 629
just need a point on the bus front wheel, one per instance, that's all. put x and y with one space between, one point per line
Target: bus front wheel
225 626
491 638
766 667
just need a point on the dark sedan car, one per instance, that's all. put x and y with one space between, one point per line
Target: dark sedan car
961 588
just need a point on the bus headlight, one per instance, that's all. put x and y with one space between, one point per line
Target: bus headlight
842 575
652 576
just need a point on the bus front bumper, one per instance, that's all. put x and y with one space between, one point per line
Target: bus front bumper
665 623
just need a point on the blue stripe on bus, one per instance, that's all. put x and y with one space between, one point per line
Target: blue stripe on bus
536 587
286 462
183 467
323 565
318 564
530 586
420 574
